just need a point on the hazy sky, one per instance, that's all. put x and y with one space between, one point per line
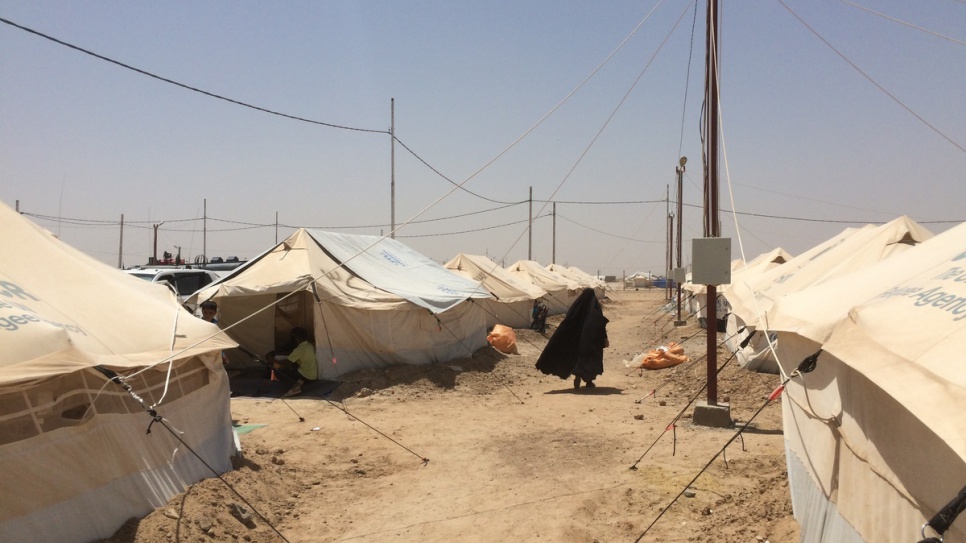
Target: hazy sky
811 145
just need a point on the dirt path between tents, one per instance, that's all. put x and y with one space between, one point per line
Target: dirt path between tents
488 449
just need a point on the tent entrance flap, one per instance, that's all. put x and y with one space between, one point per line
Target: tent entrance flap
293 311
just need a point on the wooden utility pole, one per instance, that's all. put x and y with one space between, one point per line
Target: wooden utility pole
711 229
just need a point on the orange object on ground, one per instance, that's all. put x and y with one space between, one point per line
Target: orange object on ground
664 357
503 339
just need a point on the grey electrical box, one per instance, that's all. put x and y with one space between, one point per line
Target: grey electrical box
679 275
711 261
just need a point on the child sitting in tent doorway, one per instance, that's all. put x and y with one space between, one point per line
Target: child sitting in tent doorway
539 316
298 366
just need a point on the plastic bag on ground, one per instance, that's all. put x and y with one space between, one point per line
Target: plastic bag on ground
503 339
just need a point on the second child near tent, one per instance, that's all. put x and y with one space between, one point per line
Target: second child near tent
539 316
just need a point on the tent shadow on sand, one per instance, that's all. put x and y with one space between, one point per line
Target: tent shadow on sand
253 386
441 375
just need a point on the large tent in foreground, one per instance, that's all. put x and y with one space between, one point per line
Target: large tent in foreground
751 297
512 298
876 434
561 291
370 301
75 461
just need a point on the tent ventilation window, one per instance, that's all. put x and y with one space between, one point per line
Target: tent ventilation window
74 399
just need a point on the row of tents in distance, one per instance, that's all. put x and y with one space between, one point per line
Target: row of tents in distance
73 442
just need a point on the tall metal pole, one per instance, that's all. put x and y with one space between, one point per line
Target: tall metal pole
554 255
120 246
392 167
276 228
204 238
711 191
530 228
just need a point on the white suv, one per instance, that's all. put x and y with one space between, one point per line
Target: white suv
184 281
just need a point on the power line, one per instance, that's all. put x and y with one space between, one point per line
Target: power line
829 221
606 233
245 104
188 87
873 81
249 225
473 230
454 183
602 203
910 25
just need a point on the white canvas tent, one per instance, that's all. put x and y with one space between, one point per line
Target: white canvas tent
386 305
876 435
585 280
750 297
512 298
697 297
75 461
561 291
638 280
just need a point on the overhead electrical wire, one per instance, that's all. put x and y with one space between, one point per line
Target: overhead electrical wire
536 124
147 225
910 25
458 185
603 203
559 216
187 87
333 125
873 81
473 230
623 99
687 79
133 224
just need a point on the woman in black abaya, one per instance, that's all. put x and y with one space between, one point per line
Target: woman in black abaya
577 345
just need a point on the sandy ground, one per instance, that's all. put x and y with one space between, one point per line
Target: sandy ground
488 449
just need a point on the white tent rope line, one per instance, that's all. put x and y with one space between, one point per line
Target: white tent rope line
724 152
799 372
156 417
328 338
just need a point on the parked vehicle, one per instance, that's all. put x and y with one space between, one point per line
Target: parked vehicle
184 281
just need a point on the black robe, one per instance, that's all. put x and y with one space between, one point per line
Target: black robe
577 345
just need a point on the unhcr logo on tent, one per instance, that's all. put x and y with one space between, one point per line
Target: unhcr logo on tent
960 256
393 259
447 290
